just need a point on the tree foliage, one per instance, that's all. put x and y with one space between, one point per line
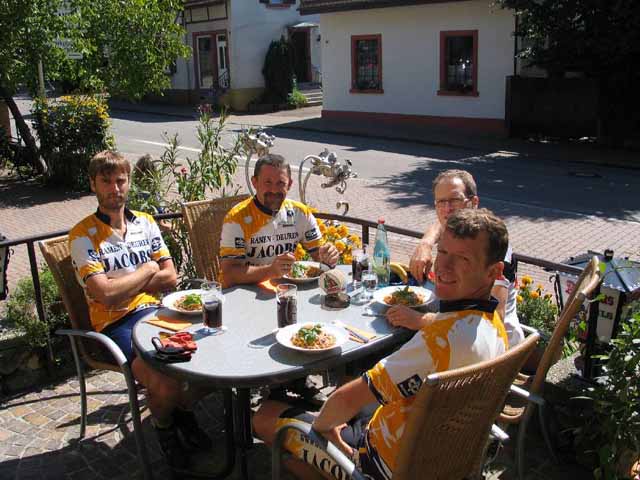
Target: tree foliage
127 46
598 38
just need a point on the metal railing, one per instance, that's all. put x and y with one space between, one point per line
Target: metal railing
366 226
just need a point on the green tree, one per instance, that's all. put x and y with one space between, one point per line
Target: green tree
278 71
126 45
596 37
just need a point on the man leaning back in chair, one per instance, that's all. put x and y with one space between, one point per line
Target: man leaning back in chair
122 262
365 417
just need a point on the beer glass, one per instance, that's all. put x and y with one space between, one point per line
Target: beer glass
212 300
286 297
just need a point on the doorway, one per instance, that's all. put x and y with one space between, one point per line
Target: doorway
211 60
301 54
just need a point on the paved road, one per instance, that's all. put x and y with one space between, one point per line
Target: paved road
517 177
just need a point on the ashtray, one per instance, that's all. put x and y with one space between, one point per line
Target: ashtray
337 300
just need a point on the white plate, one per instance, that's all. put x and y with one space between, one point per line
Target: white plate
284 336
170 300
379 295
321 266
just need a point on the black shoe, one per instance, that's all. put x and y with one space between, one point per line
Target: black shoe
174 453
192 436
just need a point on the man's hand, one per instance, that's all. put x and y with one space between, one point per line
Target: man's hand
421 261
401 316
153 266
329 254
282 264
334 437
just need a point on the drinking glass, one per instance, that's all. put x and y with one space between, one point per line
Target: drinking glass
212 300
370 282
359 264
286 297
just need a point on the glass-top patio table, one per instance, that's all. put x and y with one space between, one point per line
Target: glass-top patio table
247 354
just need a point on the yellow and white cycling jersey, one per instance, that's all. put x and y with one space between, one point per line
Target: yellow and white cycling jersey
463 333
254 233
97 250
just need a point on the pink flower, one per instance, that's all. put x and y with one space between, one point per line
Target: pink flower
183 171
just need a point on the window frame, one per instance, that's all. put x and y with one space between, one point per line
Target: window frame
279 4
444 35
354 63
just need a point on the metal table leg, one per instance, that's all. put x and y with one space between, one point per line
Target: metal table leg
243 427
230 446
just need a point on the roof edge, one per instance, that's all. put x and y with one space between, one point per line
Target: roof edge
347 6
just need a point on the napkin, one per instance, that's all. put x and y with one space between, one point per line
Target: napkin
169 323
364 333
267 285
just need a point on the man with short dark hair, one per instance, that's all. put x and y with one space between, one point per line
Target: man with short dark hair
454 190
260 234
122 263
467 330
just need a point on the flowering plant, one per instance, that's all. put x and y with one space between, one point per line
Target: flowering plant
536 308
338 234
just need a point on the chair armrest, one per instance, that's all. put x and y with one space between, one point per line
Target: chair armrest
322 443
499 434
528 329
532 397
113 348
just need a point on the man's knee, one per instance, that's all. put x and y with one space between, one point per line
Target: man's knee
264 420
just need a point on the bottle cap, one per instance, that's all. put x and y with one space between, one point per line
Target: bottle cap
381 220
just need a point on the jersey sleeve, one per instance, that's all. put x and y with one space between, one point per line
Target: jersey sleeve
401 374
85 258
232 242
310 232
159 250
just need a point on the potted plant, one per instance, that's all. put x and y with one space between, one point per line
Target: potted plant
537 310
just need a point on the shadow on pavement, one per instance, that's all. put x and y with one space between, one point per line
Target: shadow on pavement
17 193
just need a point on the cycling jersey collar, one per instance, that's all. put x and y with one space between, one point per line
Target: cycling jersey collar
487 306
104 218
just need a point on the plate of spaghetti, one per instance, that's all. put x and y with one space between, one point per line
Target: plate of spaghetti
412 297
312 337
186 301
304 272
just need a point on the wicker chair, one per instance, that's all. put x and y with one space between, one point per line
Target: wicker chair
204 225
526 393
96 349
453 412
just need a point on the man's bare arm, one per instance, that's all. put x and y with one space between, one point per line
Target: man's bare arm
343 405
421 261
113 291
237 272
501 293
164 280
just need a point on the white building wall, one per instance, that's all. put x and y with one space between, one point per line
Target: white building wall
315 45
410 59
252 27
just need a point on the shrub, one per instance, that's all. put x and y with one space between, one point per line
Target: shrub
613 426
297 98
278 72
191 179
536 308
21 310
71 131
